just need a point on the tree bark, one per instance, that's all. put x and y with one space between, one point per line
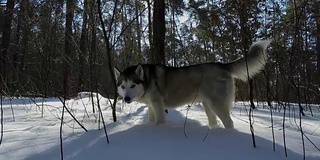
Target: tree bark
158 31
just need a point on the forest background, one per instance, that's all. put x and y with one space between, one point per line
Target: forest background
62 47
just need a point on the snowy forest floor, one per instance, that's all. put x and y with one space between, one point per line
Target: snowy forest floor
31 132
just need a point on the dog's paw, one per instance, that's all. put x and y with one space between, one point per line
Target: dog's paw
160 122
151 119
216 126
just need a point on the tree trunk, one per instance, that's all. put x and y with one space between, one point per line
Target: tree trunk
17 48
4 52
21 39
173 33
83 47
108 52
93 51
158 31
138 27
68 47
317 13
295 58
25 33
150 29
245 39
4 55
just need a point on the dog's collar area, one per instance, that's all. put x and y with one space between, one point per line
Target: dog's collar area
145 90
147 87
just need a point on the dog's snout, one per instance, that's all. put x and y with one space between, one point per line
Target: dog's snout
127 99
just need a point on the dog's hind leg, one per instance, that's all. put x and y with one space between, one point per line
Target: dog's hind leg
223 112
222 109
219 96
212 117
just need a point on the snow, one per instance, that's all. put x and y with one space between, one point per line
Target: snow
31 135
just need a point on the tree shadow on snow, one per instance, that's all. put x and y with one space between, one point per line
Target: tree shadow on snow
148 141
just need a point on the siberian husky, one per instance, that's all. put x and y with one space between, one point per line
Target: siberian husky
212 84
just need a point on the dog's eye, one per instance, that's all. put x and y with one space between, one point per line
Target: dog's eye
122 86
132 86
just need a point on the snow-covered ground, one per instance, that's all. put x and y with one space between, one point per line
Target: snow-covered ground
31 134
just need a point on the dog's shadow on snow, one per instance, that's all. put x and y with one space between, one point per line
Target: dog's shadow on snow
148 141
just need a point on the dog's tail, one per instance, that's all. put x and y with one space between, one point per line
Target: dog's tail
252 63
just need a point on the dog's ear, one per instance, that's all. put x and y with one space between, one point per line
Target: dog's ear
116 73
139 72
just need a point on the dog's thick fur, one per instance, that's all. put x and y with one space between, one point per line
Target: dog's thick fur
212 84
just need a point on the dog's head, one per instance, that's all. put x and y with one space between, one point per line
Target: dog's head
130 83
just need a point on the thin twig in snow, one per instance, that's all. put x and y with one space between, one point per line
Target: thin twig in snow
284 131
272 130
251 127
66 108
61 127
185 122
14 119
189 106
1 118
104 125
302 137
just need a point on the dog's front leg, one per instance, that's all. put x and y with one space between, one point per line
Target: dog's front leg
151 115
158 110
